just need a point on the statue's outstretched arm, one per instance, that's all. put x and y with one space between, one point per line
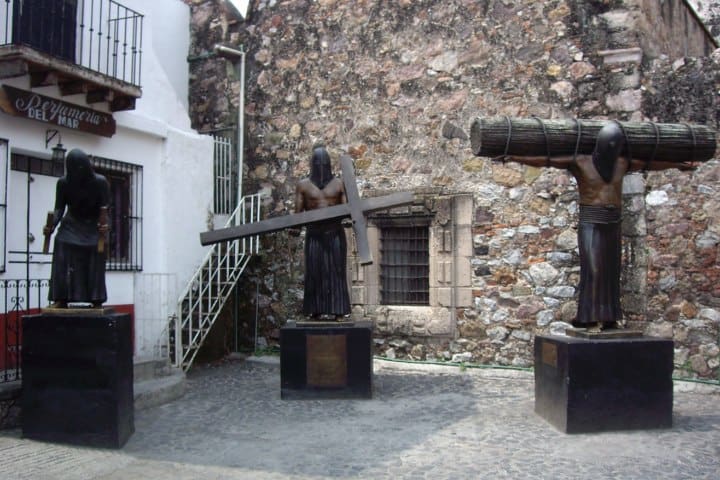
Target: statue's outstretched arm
637 165
557 162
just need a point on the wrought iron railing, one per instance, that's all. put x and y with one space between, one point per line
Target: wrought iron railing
17 298
101 35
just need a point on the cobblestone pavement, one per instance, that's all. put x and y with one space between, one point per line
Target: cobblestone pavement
424 422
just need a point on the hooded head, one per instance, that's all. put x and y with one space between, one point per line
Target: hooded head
320 167
78 167
609 145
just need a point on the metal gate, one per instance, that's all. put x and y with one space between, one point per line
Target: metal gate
225 175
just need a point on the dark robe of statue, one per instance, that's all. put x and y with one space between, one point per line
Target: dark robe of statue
600 238
326 290
78 269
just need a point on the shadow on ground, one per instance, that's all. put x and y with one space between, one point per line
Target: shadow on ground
232 415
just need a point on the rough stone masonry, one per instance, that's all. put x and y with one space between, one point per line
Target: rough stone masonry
397 83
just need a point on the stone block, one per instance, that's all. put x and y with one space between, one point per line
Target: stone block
78 378
585 385
357 295
325 360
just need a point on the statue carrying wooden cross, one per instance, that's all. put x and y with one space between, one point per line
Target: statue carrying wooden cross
592 151
321 202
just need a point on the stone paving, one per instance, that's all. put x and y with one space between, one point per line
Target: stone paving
424 422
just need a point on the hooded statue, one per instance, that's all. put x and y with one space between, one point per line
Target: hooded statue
326 290
608 146
78 269
320 167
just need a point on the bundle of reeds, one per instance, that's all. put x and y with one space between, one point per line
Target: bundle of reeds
670 142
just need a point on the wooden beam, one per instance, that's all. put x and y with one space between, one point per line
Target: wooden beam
73 87
358 217
122 102
13 68
307 217
100 95
43 78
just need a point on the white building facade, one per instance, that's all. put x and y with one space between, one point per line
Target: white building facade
120 96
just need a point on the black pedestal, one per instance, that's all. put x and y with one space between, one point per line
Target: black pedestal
600 385
78 379
326 360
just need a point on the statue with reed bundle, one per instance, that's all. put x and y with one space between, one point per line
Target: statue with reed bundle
598 154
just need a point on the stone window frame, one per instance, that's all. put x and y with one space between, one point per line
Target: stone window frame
450 253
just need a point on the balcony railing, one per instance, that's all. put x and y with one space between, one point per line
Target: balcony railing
100 35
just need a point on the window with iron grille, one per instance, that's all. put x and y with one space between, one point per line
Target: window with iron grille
125 212
404 261
36 165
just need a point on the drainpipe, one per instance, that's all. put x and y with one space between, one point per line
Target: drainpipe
238 58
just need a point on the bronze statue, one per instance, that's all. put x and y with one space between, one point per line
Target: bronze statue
78 263
326 290
599 178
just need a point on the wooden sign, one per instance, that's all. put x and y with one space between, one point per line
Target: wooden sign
34 106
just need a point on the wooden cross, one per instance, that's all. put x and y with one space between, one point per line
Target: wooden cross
356 208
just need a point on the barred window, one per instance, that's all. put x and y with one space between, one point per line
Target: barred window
125 213
404 261
37 165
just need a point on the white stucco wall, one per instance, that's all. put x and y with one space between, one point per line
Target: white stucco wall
166 40
177 173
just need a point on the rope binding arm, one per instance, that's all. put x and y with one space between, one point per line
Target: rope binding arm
577 141
655 148
547 141
507 140
627 139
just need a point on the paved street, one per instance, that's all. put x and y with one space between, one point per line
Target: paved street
424 422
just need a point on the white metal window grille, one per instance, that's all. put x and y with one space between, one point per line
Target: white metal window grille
225 173
405 261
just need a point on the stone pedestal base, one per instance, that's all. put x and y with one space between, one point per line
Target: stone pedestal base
78 378
586 385
326 360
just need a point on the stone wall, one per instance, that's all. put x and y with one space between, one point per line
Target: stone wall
397 84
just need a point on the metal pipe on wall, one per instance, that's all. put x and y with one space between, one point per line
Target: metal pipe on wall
234 55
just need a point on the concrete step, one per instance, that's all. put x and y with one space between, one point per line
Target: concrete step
156 382
147 368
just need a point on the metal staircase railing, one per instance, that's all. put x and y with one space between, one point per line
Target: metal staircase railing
207 291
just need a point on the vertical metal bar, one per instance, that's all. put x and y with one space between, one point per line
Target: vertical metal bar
241 127
109 40
140 220
4 287
82 31
4 181
140 52
133 48
27 234
100 34
7 22
91 32
125 29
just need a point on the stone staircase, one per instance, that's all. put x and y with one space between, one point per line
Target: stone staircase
156 382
